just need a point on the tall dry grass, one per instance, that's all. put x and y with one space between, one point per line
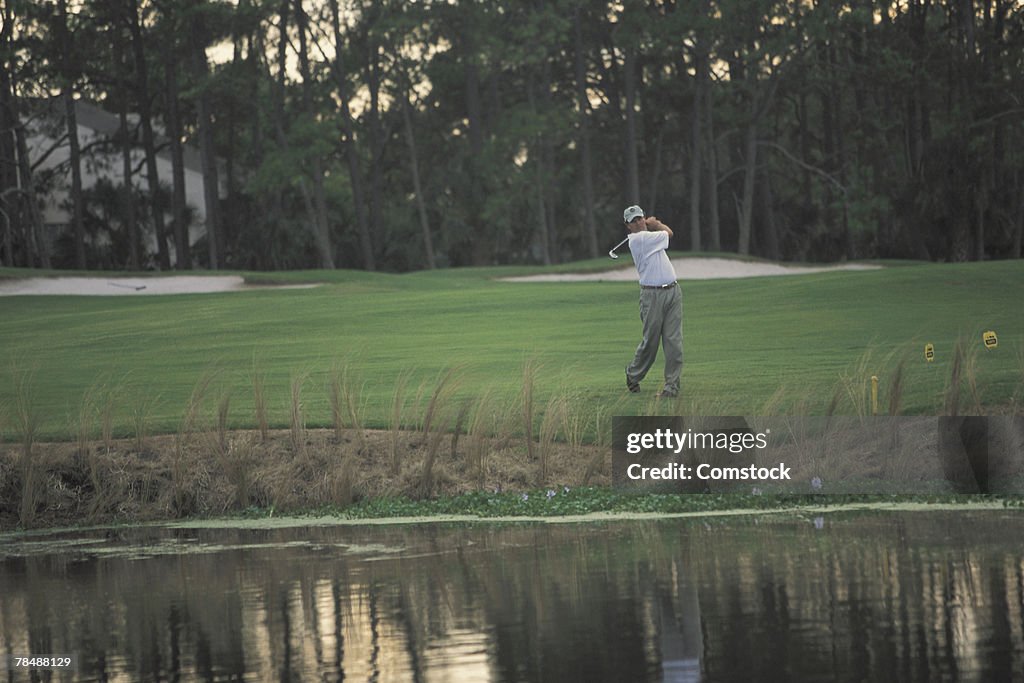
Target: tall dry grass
142 406
550 423
531 369
297 415
87 415
481 425
953 388
26 419
223 411
182 498
461 416
259 401
395 420
438 419
86 421
896 390
345 397
237 460
444 388
335 401
108 414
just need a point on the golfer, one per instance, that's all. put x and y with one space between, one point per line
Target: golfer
661 302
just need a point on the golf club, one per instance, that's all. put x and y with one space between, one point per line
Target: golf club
612 253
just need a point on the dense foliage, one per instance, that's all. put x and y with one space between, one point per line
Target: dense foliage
392 135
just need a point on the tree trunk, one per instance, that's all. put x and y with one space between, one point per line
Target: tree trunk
548 162
747 211
714 224
207 152
8 172
632 161
127 194
278 113
37 249
696 142
351 153
182 246
321 227
654 179
77 220
539 183
482 247
414 166
374 126
583 104
148 139
771 232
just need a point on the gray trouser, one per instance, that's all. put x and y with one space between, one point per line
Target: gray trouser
661 311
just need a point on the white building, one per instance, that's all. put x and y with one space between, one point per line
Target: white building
102 158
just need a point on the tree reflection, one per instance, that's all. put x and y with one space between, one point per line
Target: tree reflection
896 596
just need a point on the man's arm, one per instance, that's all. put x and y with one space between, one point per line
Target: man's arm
655 225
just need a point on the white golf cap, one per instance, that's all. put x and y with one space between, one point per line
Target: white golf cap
632 212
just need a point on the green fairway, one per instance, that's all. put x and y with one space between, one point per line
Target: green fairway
752 346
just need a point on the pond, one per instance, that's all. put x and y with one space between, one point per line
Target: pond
911 596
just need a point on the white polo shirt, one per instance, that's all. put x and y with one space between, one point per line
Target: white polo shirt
652 263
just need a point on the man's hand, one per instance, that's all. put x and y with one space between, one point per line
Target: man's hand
655 225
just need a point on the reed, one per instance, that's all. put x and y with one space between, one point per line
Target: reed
223 409
856 383
574 423
554 413
182 498
298 420
427 478
87 412
141 408
395 420
342 483
971 378
191 420
237 460
86 421
108 408
335 401
259 401
480 428
443 389
833 404
352 396
529 375
603 415
460 425
896 390
26 417
952 397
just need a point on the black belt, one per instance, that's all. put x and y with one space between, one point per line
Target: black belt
671 284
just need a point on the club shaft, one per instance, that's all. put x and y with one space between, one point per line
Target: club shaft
620 244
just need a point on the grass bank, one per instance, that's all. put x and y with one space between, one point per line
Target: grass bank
804 344
451 381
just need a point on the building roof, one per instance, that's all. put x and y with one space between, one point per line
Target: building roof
105 124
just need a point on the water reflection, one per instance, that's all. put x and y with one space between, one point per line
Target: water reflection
910 596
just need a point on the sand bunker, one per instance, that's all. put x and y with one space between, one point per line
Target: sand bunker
94 286
696 269
686 269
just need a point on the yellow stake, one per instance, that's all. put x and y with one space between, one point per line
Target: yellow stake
929 352
874 394
990 339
